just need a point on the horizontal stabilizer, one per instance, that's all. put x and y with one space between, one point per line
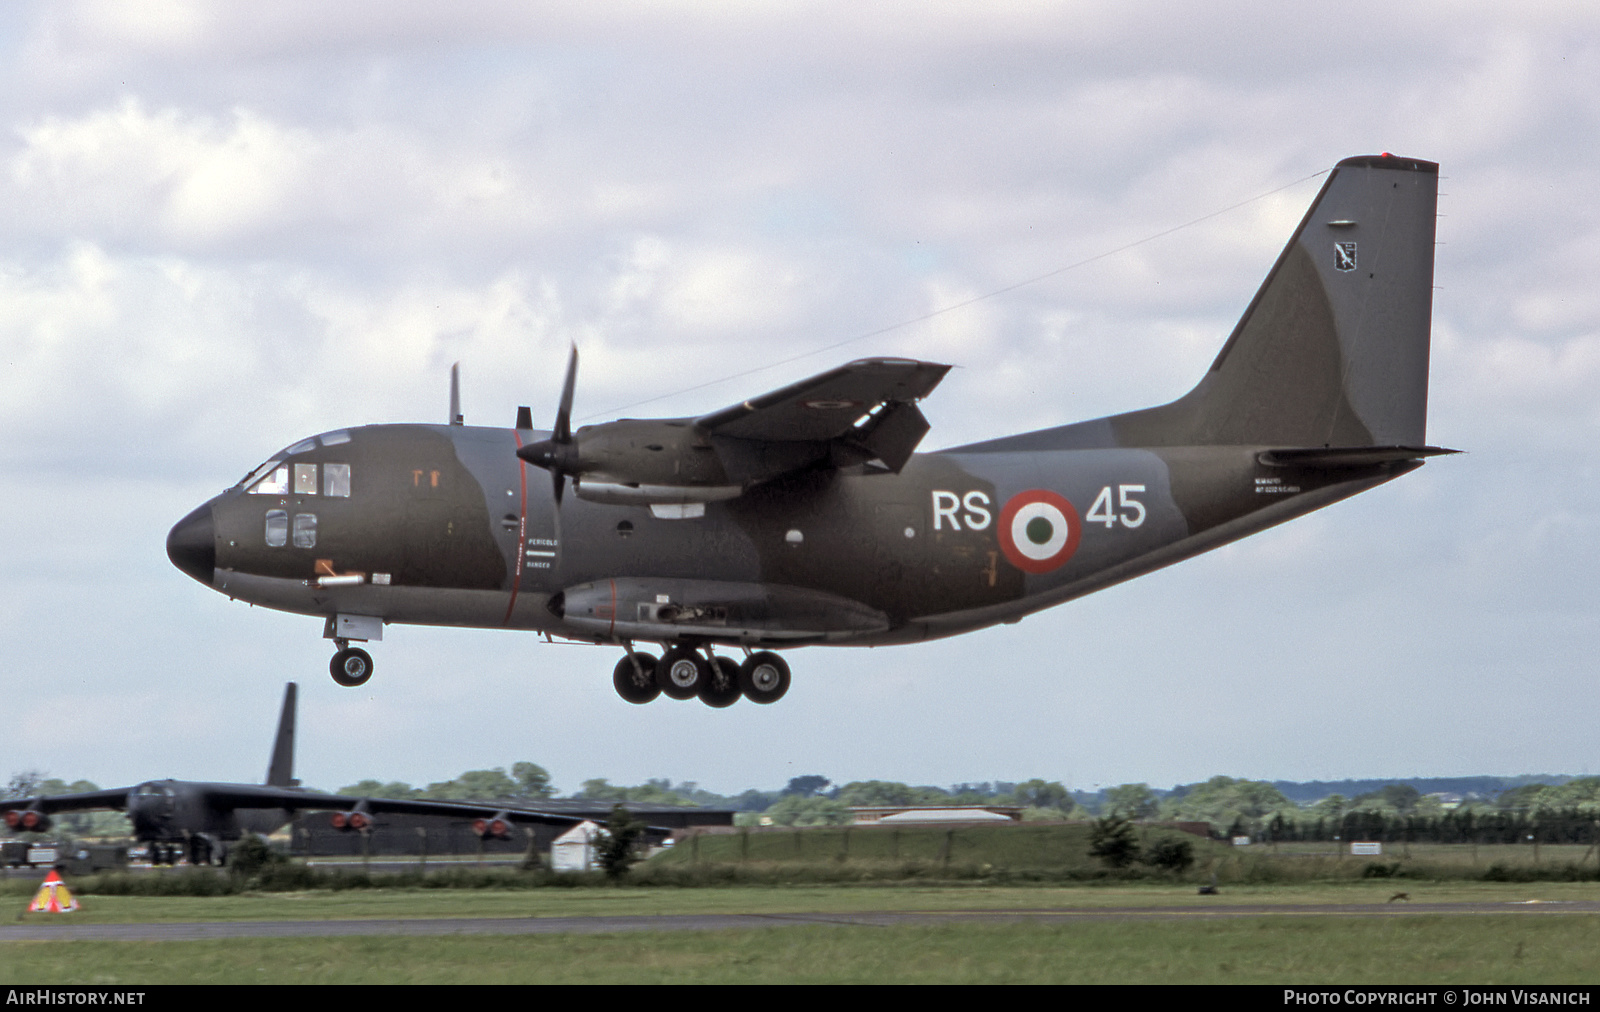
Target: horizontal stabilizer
1338 457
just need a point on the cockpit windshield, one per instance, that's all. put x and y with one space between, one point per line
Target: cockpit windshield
249 480
273 477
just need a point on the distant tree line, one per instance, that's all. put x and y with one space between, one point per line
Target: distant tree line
1564 811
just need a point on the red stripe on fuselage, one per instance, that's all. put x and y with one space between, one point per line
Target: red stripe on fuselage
522 530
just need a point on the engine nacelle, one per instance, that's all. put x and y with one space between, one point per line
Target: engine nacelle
497 827
357 820
29 820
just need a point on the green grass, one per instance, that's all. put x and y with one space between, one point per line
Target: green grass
1291 947
1059 852
401 903
1414 950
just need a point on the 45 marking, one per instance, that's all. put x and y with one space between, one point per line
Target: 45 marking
1131 512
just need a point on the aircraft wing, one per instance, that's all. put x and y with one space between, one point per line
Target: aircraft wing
230 796
221 796
116 798
858 412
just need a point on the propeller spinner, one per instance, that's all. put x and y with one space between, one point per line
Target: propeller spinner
558 454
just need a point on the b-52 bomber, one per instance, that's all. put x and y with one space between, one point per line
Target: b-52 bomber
804 516
174 817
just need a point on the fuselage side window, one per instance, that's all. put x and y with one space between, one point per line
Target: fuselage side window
276 483
277 528
336 480
305 530
305 479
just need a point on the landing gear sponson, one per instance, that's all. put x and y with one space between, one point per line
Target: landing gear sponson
684 672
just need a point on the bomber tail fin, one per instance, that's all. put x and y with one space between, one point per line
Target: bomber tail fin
280 772
1333 349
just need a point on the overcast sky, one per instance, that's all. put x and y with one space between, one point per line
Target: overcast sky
224 227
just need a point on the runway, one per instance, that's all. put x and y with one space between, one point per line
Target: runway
64 930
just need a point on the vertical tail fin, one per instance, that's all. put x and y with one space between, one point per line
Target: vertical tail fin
280 771
1333 349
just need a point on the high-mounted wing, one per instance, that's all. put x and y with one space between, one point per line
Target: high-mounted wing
829 405
858 413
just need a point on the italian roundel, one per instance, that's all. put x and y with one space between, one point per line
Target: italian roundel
1039 531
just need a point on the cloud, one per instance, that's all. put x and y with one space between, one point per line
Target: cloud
225 227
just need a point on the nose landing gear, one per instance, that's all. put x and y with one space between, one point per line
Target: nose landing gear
351 666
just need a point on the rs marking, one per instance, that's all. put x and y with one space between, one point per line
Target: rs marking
946 506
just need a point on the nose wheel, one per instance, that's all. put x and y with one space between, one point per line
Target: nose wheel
351 666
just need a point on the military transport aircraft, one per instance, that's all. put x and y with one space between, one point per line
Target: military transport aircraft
172 815
804 517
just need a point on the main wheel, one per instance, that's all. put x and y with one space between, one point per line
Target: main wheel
681 673
722 688
764 677
628 682
351 667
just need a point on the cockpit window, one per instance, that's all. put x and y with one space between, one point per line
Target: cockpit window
264 469
336 480
274 477
275 483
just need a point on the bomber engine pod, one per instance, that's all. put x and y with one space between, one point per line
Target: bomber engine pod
495 827
28 821
805 516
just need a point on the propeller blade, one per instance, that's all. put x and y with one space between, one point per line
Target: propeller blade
557 454
455 395
563 428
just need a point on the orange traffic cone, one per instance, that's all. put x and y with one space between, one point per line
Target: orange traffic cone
53 896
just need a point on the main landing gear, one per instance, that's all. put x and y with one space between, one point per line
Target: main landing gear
351 666
685 672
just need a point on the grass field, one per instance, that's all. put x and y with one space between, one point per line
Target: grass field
1422 950
832 871
1060 851
1286 948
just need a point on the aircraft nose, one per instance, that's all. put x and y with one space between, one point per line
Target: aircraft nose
192 545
